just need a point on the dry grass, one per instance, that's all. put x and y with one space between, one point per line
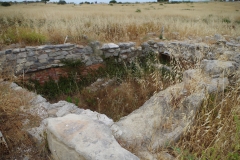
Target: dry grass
52 23
116 100
215 134
19 142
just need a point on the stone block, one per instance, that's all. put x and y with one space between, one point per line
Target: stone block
2 53
43 56
126 45
54 65
88 62
22 55
27 64
64 53
45 47
16 50
79 137
31 53
22 49
217 67
67 45
31 58
145 45
88 50
9 51
59 57
30 48
43 60
11 57
41 68
66 109
73 56
48 51
109 46
22 60
125 51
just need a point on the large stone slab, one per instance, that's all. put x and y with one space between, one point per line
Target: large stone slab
160 120
215 68
79 137
109 46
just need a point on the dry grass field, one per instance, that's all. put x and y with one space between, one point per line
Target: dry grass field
39 23
215 133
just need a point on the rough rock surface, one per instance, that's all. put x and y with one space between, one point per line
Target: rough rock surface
164 117
158 121
79 137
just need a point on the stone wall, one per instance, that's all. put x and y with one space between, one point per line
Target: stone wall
36 59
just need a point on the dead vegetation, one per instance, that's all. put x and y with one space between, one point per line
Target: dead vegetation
13 126
35 24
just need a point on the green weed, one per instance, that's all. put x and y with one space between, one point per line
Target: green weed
138 10
226 20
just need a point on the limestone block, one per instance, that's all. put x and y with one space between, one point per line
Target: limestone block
38 132
109 46
48 51
217 67
2 53
59 57
43 60
11 57
97 116
145 45
45 47
41 67
88 62
31 53
151 42
217 85
79 137
219 37
37 99
22 49
22 60
54 54
54 65
30 48
16 50
64 53
123 56
66 109
137 127
9 51
31 58
43 56
96 59
88 50
66 45
146 124
125 51
22 55
126 45
73 56
27 64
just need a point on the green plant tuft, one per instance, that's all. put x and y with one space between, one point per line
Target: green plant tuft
138 10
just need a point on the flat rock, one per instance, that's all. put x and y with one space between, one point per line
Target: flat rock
109 46
79 137
217 67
